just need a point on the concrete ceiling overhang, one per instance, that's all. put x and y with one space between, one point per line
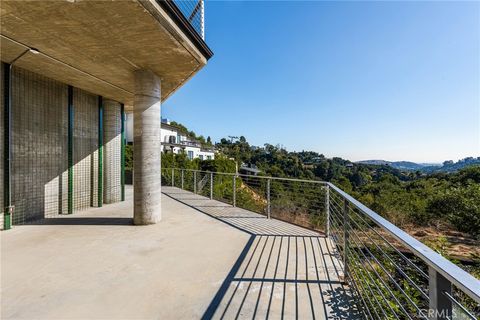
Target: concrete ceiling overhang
96 45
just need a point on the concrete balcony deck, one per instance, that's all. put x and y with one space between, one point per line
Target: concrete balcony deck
205 259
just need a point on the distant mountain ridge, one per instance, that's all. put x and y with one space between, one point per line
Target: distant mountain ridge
401 165
446 166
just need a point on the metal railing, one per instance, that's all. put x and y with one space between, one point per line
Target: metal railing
194 12
392 275
190 143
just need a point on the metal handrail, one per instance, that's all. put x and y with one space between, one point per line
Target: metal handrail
250 176
459 277
194 12
339 206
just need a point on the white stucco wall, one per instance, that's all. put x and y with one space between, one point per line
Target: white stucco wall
165 134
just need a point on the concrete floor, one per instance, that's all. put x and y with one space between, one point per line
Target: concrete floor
205 259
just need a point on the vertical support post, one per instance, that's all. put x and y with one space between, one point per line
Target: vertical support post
122 157
100 151
173 177
7 145
235 190
268 198
440 307
70 150
211 185
202 18
194 181
327 209
345 238
182 177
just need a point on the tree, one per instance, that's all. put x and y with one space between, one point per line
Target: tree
403 197
460 206
469 175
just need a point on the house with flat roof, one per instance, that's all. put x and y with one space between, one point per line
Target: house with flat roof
176 141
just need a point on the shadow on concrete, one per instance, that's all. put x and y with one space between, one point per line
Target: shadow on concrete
107 221
283 272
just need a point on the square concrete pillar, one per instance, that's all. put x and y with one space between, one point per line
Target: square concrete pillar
146 148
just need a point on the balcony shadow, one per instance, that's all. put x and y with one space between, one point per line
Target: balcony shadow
283 272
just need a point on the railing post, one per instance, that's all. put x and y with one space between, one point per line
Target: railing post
268 199
345 239
194 181
440 307
202 19
182 177
173 177
211 185
234 190
327 209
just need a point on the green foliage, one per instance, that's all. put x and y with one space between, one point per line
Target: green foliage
129 157
460 205
450 166
404 197
219 164
469 175
171 160
440 244
180 126
192 135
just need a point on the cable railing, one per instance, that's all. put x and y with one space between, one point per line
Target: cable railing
194 12
392 275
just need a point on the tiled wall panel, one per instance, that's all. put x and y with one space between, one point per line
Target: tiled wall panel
85 150
112 152
39 146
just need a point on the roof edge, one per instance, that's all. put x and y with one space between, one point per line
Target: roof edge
177 16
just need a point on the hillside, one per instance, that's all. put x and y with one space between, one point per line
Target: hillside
450 166
446 198
401 165
405 197
447 166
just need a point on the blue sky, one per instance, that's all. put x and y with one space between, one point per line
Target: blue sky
359 80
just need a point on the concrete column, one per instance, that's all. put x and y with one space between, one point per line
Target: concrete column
146 148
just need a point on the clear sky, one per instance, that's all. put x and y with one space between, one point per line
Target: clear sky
359 80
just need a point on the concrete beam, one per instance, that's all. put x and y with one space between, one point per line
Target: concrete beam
146 151
99 44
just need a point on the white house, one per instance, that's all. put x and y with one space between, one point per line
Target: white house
176 141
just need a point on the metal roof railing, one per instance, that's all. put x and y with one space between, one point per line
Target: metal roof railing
194 12
189 16
392 275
